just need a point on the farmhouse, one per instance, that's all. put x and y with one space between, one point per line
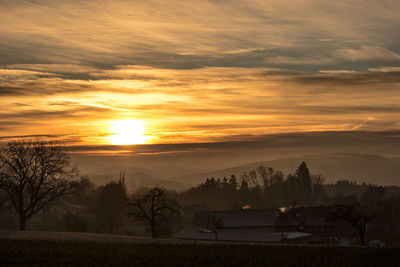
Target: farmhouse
309 225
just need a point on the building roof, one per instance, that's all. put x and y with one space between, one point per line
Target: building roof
316 221
242 218
246 218
265 225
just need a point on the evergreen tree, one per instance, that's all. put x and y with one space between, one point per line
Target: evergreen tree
304 178
111 205
233 184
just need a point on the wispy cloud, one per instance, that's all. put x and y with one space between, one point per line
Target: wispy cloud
194 34
198 70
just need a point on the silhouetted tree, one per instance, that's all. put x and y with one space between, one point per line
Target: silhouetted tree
253 178
345 187
153 205
373 198
33 173
276 182
304 178
111 205
341 199
244 187
356 218
390 211
292 190
225 183
211 184
233 184
317 184
245 177
84 191
262 172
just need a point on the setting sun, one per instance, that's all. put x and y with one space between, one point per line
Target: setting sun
127 132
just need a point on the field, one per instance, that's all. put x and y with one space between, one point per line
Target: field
39 252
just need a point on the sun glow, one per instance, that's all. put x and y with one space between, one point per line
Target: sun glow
127 132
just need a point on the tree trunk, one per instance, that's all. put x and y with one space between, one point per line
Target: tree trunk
20 209
362 238
153 229
22 222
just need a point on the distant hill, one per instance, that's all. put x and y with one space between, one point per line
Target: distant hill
356 167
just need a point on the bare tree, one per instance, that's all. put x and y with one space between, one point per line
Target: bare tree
34 173
151 206
262 172
317 186
356 218
253 178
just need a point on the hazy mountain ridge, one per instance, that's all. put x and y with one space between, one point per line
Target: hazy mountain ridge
356 167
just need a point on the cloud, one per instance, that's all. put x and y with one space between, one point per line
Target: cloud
53 68
8 90
204 71
106 33
346 79
385 69
337 71
204 104
368 53
35 136
287 140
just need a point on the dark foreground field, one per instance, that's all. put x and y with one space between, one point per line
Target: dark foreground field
78 253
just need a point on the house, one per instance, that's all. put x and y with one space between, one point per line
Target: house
308 225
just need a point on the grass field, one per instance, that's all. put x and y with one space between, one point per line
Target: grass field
78 253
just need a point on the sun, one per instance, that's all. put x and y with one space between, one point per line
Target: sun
127 132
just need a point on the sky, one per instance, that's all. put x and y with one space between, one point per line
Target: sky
194 75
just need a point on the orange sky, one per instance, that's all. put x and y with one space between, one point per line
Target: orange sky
197 71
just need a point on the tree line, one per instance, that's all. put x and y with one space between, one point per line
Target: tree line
259 188
37 176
